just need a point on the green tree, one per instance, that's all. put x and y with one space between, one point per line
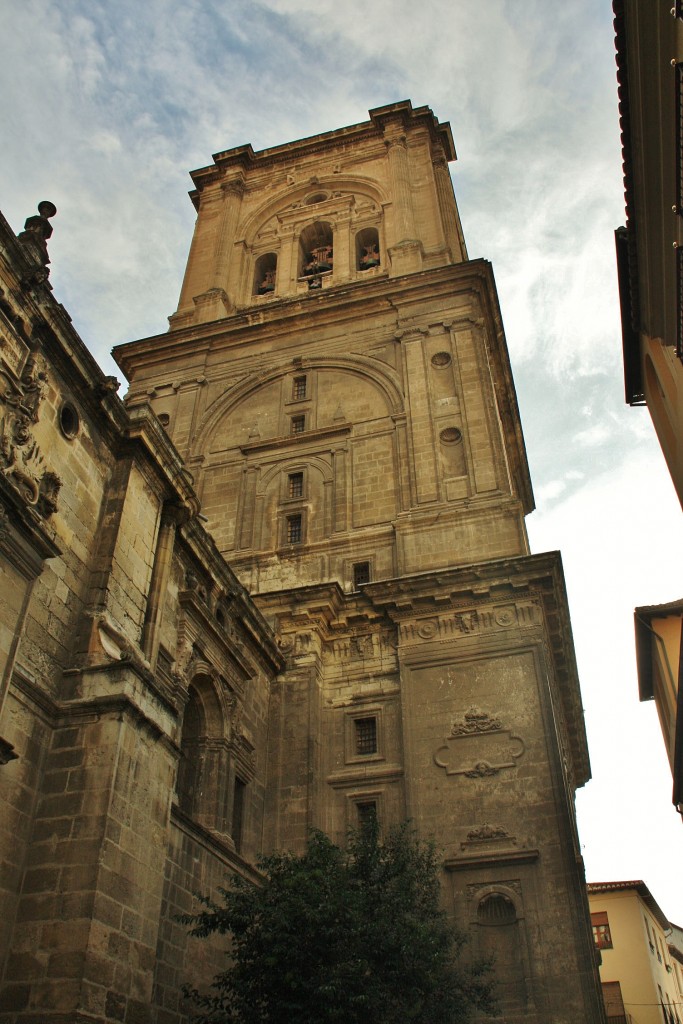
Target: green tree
341 937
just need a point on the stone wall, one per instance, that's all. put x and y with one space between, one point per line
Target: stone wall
116 609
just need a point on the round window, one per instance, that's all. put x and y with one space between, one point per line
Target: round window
451 435
69 420
441 360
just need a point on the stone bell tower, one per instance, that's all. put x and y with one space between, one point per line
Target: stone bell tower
337 381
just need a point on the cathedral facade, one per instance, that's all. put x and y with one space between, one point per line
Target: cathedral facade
285 584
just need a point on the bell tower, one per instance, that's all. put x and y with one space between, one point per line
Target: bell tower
336 379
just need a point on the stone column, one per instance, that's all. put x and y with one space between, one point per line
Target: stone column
231 194
405 249
444 192
247 516
170 517
397 154
287 264
339 477
421 424
342 249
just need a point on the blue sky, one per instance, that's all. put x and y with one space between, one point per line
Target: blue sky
112 105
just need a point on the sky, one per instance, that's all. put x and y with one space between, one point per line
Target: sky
112 104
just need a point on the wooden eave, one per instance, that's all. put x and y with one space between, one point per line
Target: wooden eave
626 237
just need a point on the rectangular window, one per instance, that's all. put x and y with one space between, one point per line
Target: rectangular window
614 1004
295 529
361 574
366 735
367 814
295 485
238 812
299 388
601 932
298 424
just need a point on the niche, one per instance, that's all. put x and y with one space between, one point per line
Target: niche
265 273
316 252
367 249
499 937
452 451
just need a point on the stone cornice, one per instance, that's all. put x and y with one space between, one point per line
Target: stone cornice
244 158
329 305
288 440
60 713
263 646
490 859
324 607
144 431
191 603
362 774
216 844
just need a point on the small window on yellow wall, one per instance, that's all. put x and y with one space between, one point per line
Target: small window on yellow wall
298 424
601 933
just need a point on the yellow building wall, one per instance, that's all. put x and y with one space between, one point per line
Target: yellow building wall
632 961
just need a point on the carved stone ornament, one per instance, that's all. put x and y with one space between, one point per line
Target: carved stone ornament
481 770
478 747
4 524
21 461
286 644
474 721
475 890
24 467
236 710
185 658
37 231
486 833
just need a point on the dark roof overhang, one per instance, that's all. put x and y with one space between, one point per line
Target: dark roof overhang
627 257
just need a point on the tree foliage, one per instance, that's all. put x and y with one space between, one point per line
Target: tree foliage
341 937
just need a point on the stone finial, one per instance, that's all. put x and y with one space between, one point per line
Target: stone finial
37 230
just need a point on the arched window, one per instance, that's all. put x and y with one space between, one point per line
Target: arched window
496 909
499 938
316 251
189 769
367 249
204 763
265 273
